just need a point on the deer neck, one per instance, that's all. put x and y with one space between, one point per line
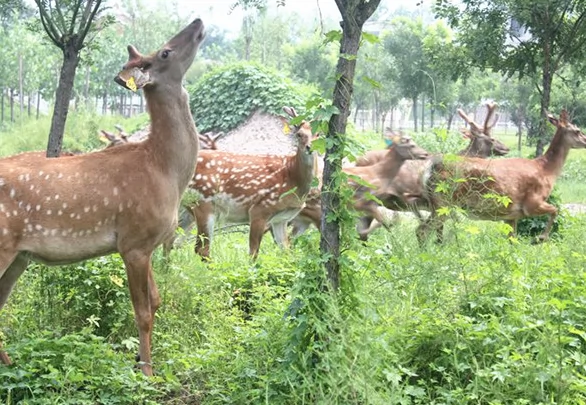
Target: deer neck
301 170
554 158
176 154
389 167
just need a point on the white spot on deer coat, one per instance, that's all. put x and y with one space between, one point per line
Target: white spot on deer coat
38 207
198 176
115 191
12 193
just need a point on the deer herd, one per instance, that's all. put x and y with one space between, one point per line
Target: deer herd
125 198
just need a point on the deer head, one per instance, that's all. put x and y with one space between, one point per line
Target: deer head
171 61
406 148
571 135
482 144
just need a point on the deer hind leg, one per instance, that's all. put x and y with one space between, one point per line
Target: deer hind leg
145 300
12 265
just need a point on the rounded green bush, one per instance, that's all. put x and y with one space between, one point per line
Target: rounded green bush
225 97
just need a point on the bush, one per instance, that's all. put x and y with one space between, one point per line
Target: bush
225 97
77 369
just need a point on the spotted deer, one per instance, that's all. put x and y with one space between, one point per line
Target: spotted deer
501 189
257 190
123 199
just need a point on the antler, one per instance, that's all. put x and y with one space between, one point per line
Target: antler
491 108
469 121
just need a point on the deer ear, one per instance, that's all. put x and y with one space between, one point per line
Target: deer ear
290 111
552 119
110 137
564 117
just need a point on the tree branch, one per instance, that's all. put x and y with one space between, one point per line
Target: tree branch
48 25
74 17
89 22
60 17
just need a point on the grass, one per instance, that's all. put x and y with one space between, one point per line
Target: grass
479 320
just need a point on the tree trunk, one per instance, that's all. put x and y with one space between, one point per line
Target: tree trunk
11 105
432 116
62 97
2 92
423 113
354 14
141 103
38 102
382 121
547 77
20 89
28 107
450 121
415 113
86 88
105 103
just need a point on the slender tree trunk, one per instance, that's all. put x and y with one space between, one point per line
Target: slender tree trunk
546 79
63 95
141 103
38 102
423 113
415 113
86 88
432 115
20 88
105 103
11 104
28 107
450 121
2 93
382 121
354 14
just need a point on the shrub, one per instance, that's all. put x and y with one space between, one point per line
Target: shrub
225 97
75 369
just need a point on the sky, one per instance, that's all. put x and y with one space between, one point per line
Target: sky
218 12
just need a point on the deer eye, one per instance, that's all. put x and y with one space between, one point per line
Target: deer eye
165 54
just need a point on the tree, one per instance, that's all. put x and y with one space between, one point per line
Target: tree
404 41
67 24
354 15
534 38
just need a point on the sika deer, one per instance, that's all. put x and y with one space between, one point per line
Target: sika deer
502 189
252 189
59 211
408 180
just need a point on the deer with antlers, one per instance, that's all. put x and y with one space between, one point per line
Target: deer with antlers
258 190
502 189
123 199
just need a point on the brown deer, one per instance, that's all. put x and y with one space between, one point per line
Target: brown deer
408 180
123 199
502 189
258 190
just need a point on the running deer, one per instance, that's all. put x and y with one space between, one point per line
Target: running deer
502 189
258 190
123 199
408 180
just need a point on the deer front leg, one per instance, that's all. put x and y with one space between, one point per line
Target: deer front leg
204 218
258 223
145 300
12 265
542 209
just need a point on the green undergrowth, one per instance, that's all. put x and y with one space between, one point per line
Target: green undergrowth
479 320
